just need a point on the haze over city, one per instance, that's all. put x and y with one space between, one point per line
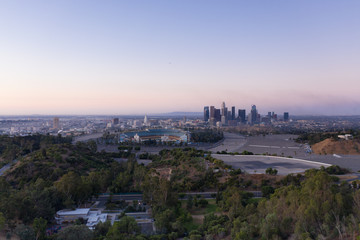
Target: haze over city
137 57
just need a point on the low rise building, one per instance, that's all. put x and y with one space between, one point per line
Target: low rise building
69 216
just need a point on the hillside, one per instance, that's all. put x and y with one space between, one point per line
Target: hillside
52 162
331 146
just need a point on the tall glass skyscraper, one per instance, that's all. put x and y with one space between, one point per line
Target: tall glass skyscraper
286 116
206 113
253 114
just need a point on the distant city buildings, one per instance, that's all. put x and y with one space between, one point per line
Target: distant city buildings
217 115
242 115
223 109
146 121
223 117
77 126
158 135
116 121
206 114
253 115
56 124
233 113
286 116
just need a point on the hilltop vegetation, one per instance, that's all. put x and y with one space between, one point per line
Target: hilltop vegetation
331 146
207 135
313 138
14 147
188 169
59 175
329 143
316 137
62 175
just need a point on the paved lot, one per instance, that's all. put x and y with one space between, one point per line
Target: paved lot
259 164
351 162
282 145
232 143
274 144
87 137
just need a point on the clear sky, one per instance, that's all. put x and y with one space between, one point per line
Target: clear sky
136 57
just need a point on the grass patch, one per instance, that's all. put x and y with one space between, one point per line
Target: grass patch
190 226
255 200
211 208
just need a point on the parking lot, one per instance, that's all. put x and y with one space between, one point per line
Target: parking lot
259 164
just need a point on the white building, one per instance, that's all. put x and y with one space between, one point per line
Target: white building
146 121
165 138
346 136
71 215
136 124
92 217
137 138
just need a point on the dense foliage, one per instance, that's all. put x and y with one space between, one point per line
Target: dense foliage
208 135
14 147
312 138
315 137
59 175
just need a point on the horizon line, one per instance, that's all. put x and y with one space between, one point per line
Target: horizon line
164 113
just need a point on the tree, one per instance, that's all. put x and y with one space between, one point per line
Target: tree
271 171
69 186
24 232
267 191
125 228
158 192
75 232
101 229
2 221
189 202
92 146
163 220
269 226
94 181
241 230
39 226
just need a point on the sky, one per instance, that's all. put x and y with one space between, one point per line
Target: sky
137 57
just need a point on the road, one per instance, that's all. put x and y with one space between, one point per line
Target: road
87 137
212 195
7 167
102 199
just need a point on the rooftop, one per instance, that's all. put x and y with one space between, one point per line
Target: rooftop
79 211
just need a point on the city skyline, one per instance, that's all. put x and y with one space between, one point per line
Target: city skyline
137 57
226 116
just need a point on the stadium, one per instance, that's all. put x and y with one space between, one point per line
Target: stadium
159 135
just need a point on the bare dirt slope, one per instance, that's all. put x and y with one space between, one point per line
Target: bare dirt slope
330 146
